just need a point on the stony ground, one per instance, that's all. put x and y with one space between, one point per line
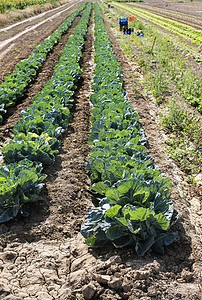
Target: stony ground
44 256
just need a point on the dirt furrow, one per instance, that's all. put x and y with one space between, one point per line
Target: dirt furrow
190 8
168 15
24 45
45 73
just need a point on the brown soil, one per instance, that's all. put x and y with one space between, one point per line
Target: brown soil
22 47
44 256
186 7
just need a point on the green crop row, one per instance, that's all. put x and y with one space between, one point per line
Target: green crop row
15 84
36 135
173 13
185 31
134 199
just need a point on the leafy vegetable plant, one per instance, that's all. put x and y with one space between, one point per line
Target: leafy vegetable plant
134 199
15 84
36 135
19 183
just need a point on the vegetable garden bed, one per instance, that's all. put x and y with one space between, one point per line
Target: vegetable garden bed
15 84
44 256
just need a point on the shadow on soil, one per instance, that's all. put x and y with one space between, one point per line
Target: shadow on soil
20 228
176 258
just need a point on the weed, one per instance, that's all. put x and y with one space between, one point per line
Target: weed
158 84
185 142
15 50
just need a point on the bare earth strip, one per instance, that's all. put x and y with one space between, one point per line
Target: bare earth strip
191 8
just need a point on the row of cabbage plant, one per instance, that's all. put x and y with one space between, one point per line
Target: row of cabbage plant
15 84
134 199
35 139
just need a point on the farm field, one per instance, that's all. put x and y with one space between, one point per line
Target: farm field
42 252
168 11
185 35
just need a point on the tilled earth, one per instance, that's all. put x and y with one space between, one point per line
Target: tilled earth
192 8
30 33
168 10
44 256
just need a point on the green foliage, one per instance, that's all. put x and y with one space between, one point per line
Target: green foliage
16 83
185 142
129 225
19 183
35 141
139 25
134 207
43 117
158 84
6 5
31 146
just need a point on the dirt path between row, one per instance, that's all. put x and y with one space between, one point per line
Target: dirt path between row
22 47
45 257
